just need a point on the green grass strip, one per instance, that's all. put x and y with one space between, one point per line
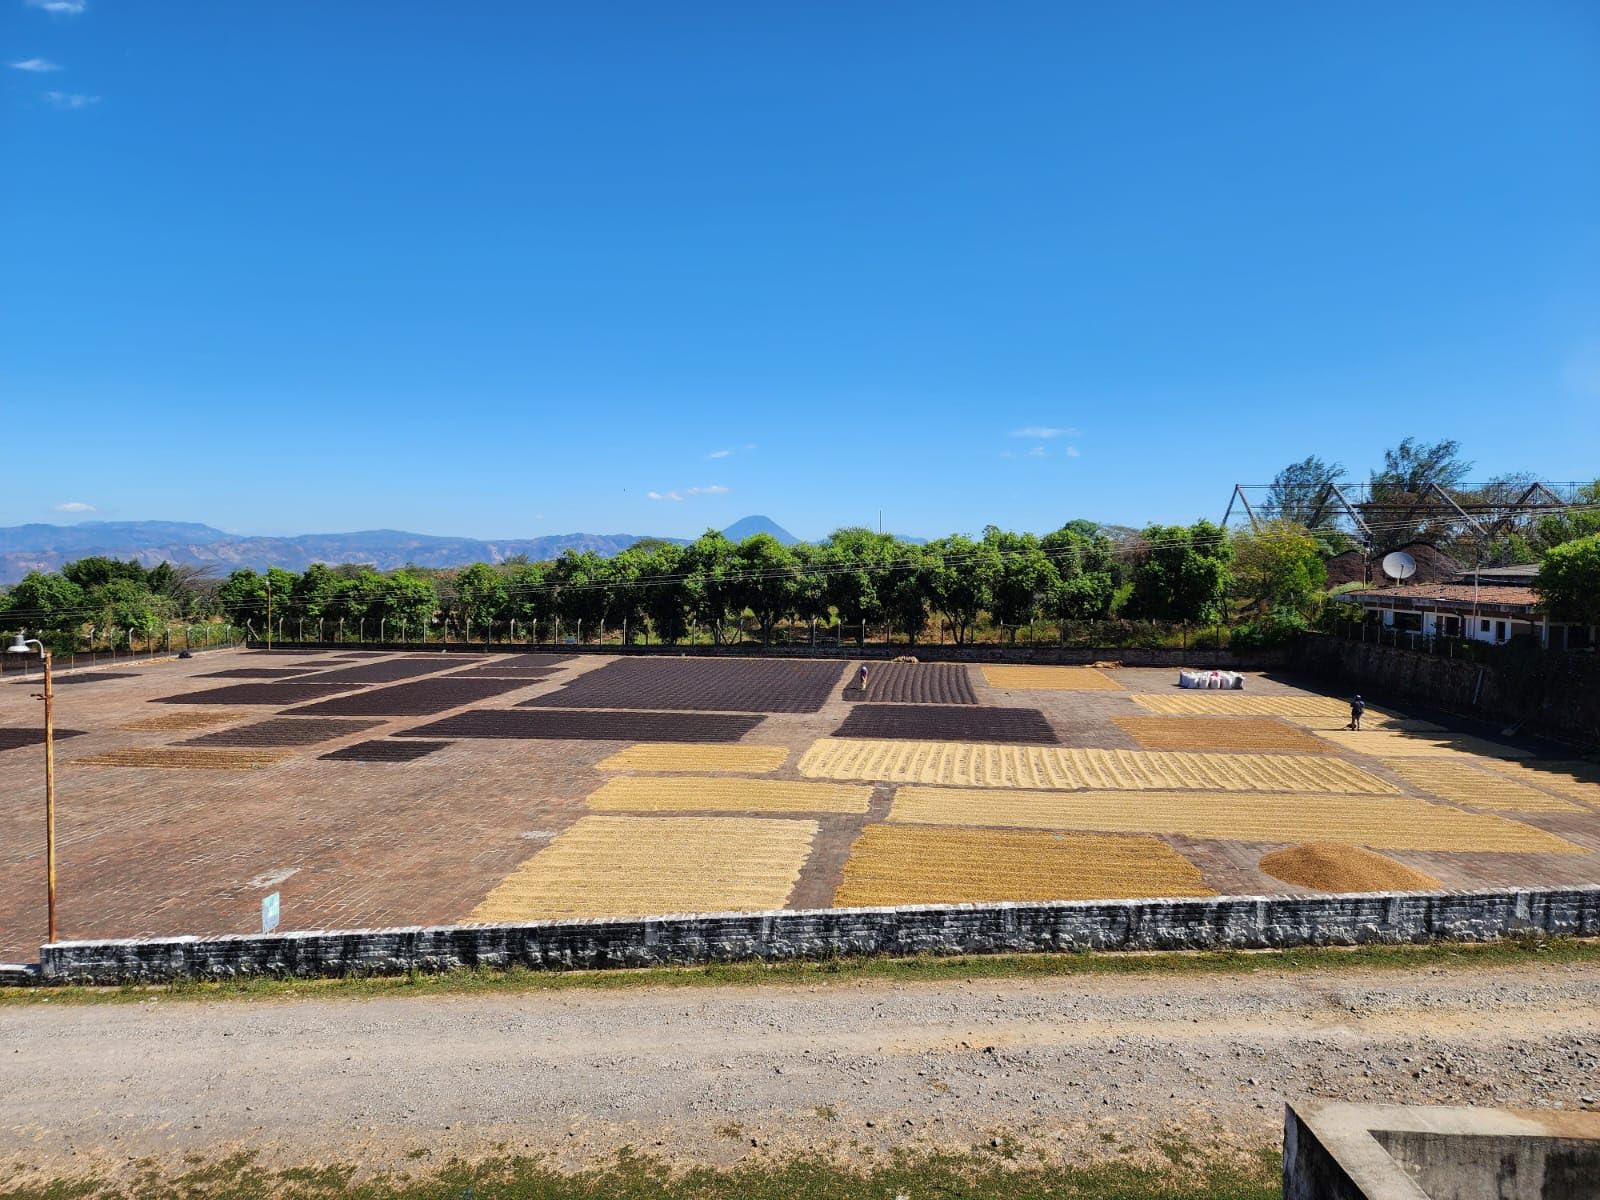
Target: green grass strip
923 968
968 1176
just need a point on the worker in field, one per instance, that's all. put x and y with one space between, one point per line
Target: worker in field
861 677
1358 709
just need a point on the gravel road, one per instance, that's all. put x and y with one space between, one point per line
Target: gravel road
1070 1068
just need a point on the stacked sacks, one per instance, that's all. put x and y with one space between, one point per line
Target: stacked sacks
1227 681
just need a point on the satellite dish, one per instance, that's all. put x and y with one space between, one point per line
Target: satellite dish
1399 566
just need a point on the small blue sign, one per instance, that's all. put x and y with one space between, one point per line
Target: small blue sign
269 913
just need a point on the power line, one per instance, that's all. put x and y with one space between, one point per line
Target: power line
1123 549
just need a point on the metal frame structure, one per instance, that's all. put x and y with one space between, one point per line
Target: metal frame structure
1483 517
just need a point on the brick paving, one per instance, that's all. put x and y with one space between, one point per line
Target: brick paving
355 831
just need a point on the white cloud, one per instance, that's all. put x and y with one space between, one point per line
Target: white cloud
38 66
676 494
70 7
1045 432
1037 452
719 454
70 99
1072 452
749 445
74 506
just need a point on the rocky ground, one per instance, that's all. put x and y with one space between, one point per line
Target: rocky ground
1077 1069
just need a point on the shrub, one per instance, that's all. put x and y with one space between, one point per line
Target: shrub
1340 612
1277 628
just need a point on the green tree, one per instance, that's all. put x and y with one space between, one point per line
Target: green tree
854 561
905 590
279 586
809 597
361 602
192 589
1084 559
1279 567
97 571
649 545
582 580
1086 543
312 596
1568 583
48 605
764 578
1412 466
1398 494
125 604
1182 574
404 604
1580 522
1023 577
665 592
1296 489
627 589
242 596
960 577
1084 597
481 595
326 598
709 563
530 599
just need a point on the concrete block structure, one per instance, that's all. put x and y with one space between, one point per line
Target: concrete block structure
1335 1151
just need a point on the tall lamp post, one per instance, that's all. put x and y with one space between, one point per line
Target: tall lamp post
21 645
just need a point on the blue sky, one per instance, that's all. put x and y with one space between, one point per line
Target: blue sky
508 269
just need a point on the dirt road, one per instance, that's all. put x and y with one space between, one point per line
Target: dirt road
1072 1068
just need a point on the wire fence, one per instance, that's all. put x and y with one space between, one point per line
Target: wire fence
130 648
1569 639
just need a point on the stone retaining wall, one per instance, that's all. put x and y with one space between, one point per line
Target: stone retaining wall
1230 922
1549 693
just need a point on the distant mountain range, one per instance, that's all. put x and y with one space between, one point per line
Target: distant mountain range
25 548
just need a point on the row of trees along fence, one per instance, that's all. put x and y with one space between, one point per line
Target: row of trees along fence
744 631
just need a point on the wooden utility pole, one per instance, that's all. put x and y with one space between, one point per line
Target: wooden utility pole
50 792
